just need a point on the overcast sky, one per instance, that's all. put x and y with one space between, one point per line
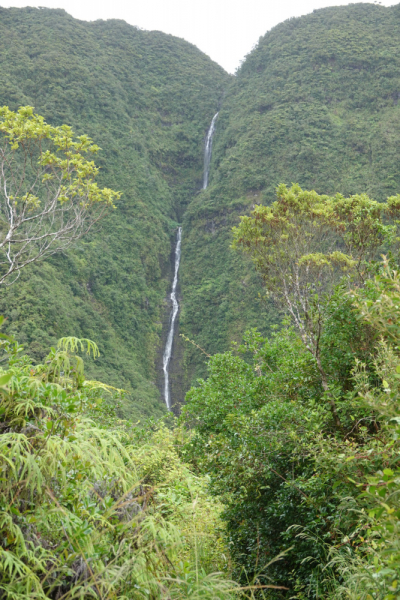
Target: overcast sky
226 30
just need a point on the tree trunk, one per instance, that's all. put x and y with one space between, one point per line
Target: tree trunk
330 396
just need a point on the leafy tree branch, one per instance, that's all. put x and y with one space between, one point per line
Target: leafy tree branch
304 244
48 194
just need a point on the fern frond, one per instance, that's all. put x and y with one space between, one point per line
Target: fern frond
74 344
98 385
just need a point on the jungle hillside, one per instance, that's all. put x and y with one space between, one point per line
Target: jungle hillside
248 224
145 98
315 103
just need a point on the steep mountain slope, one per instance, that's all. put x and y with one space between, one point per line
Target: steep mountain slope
317 102
146 99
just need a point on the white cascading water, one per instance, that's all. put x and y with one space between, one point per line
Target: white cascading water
207 151
175 305
175 308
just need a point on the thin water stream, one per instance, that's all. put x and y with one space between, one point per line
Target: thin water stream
207 151
175 305
175 308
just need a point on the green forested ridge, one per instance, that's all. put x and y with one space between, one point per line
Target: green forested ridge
281 478
146 99
300 109
317 103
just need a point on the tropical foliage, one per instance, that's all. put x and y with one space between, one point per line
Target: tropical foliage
316 102
280 479
91 506
49 198
146 99
304 243
299 431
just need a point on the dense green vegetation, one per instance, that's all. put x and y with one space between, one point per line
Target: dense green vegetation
315 103
325 115
146 99
49 195
299 431
281 477
259 492
91 506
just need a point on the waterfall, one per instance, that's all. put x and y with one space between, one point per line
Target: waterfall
175 305
207 151
175 308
